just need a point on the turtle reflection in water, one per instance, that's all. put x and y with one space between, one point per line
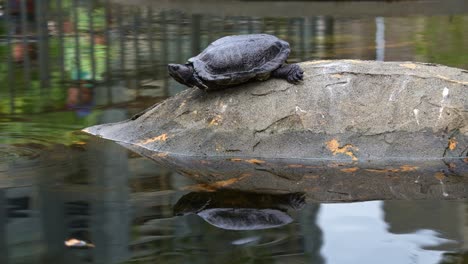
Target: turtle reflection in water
235 210
233 60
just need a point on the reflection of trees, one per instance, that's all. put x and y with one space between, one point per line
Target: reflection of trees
93 40
127 49
409 216
443 40
90 42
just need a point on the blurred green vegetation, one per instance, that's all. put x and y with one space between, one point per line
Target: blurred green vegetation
46 129
444 40
435 39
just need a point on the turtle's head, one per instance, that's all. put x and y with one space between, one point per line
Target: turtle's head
181 73
185 74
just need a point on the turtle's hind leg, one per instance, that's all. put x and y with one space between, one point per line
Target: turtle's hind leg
291 72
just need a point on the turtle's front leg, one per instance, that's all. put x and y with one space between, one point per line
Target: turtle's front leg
291 72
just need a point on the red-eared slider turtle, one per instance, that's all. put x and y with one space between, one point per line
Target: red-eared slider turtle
233 60
236 210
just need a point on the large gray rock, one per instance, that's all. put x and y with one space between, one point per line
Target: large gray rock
345 110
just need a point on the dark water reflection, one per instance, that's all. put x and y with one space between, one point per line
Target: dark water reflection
69 64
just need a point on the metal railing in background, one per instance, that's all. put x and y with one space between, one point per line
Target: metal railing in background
63 43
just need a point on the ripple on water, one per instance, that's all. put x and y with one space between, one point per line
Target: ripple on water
34 145
9 153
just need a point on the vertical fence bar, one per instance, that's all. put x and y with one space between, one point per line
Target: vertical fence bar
250 25
290 35
302 38
319 36
41 20
91 39
379 39
164 49
329 34
277 26
209 21
11 71
151 39
136 47
121 39
179 38
3 227
135 22
313 37
76 36
108 47
25 42
223 26
61 55
263 27
196 30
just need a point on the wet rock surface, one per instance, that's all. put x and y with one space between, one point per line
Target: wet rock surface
344 110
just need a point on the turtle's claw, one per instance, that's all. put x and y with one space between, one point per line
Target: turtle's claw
296 73
299 75
291 72
293 79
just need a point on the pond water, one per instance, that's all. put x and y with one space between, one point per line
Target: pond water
68 64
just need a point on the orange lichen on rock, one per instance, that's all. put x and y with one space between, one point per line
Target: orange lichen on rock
452 144
315 62
334 146
409 65
439 175
450 80
403 168
336 165
251 161
161 154
452 166
215 121
162 137
295 166
353 169
408 168
312 189
311 176
255 161
383 170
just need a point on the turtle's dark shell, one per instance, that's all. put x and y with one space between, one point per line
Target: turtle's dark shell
235 59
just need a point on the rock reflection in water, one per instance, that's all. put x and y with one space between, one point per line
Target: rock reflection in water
236 210
323 180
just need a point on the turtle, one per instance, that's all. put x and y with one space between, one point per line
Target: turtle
233 60
238 210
